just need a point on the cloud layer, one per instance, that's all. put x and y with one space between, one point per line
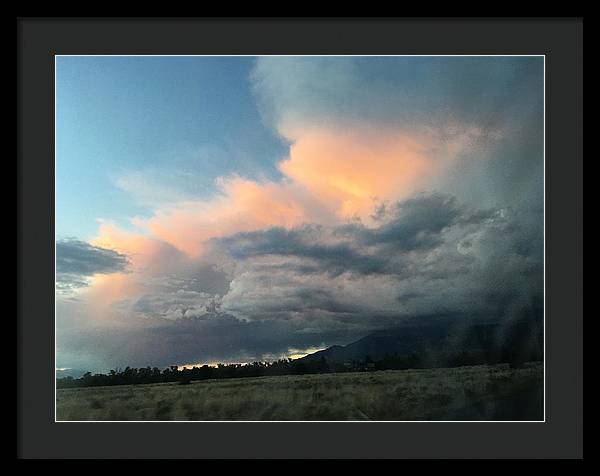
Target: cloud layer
412 187
428 255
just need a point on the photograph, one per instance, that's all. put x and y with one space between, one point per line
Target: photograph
299 238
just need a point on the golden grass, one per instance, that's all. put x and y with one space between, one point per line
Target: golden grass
473 392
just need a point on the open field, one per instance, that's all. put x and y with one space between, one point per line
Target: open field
484 392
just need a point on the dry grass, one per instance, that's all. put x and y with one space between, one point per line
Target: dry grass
477 392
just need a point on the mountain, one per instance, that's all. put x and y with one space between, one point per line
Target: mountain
444 342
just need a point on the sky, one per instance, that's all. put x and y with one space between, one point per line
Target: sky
231 209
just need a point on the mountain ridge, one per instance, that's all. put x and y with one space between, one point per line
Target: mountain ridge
444 342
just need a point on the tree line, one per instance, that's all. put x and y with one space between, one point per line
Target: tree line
148 375
131 376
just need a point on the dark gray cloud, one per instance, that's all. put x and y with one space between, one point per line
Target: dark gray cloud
418 223
304 242
79 257
77 260
430 254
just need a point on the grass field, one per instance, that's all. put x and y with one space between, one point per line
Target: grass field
494 392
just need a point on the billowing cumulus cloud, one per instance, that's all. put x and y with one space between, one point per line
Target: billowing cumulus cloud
412 187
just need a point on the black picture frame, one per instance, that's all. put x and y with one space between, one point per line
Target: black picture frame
560 40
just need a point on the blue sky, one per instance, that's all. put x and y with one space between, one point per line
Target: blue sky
176 116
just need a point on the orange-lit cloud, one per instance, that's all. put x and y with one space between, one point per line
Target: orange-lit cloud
330 175
145 252
353 169
243 205
147 255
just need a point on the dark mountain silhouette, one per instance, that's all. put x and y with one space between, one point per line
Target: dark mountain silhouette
444 342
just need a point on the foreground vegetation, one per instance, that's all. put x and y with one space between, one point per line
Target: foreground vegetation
483 392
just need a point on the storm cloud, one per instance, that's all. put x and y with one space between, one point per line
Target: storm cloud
317 285
429 255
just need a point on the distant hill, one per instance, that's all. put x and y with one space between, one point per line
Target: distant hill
445 342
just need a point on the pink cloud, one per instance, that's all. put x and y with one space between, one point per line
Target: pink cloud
330 175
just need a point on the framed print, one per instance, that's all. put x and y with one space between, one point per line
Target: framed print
257 241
